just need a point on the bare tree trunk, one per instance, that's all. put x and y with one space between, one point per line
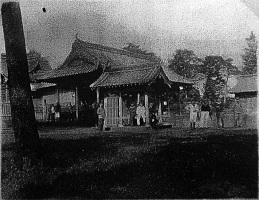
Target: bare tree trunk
23 118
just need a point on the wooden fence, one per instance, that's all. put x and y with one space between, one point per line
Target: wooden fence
42 115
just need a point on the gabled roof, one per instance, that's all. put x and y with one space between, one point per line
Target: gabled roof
103 54
86 57
131 76
138 75
245 83
174 77
74 68
35 64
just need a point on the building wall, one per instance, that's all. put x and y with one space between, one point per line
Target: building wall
41 102
250 112
5 107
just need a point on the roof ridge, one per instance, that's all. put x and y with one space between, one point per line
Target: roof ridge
114 50
247 75
139 68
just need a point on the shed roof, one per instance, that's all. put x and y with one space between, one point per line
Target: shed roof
245 83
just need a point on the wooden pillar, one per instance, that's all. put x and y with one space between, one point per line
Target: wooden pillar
147 108
120 110
138 101
179 99
159 108
105 108
45 110
57 93
98 95
168 106
77 102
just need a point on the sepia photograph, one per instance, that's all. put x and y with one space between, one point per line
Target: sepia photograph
129 99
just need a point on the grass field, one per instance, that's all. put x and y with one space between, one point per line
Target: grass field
137 165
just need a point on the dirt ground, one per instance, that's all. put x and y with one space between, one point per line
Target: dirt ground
153 164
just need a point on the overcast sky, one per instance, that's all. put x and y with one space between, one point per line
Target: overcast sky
209 27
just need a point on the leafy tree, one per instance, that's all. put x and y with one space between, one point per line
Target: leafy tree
215 83
136 49
249 58
186 63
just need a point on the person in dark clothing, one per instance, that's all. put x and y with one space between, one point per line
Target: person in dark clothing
238 113
153 120
57 111
52 113
70 117
132 112
205 114
219 107
95 117
101 116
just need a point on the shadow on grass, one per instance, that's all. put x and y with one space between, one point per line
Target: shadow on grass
222 167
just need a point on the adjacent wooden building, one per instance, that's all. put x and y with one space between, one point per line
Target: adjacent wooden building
36 65
246 90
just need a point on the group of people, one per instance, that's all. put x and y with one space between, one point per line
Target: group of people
55 112
137 113
201 114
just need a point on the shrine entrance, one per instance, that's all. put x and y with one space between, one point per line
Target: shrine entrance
112 108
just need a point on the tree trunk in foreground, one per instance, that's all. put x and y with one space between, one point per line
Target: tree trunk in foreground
23 118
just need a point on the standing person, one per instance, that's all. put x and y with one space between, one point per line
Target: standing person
193 108
95 117
153 120
141 113
101 116
132 111
57 111
198 120
220 113
205 114
52 113
71 118
238 113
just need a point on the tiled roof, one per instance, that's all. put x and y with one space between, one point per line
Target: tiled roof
86 57
175 78
35 63
73 68
37 86
245 83
103 54
129 76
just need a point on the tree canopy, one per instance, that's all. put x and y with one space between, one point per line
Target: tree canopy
137 49
186 63
249 57
213 67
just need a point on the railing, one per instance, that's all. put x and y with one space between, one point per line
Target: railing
6 110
